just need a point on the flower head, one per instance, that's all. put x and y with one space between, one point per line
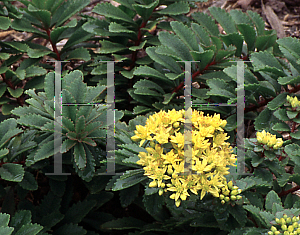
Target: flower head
165 160
269 139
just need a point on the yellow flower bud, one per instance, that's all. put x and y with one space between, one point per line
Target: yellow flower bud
226 193
177 203
277 232
291 228
282 221
270 233
239 191
288 220
223 202
295 224
153 184
294 219
162 185
234 192
160 192
277 221
233 198
286 233
176 124
298 230
238 197
284 227
235 187
273 229
230 184
227 199
222 196
152 144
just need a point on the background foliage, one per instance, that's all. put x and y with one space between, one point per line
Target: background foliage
146 39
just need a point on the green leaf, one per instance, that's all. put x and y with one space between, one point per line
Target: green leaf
110 47
29 182
29 229
6 230
207 22
278 101
128 179
128 195
24 25
239 214
146 87
166 61
240 17
78 211
3 152
73 229
37 53
80 156
153 203
271 198
281 126
77 54
4 23
149 72
264 120
175 44
291 114
265 41
12 172
145 11
293 152
234 39
108 10
45 150
217 88
123 223
202 34
295 135
176 8
33 71
281 115
258 21
15 93
185 34
118 28
289 80
249 35
224 19
66 10
4 219
42 15
139 47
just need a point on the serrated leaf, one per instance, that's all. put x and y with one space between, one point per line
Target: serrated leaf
45 150
239 214
12 172
271 198
110 47
153 203
289 80
176 45
34 71
217 88
128 195
202 34
29 229
224 19
249 35
146 87
139 47
148 71
128 179
234 39
118 28
176 8
166 61
281 126
258 21
123 223
42 15
71 228
185 34
29 182
278 101
108 10
77 54
293 151
78 211
4 22
80 156
15 93
4 219
208 22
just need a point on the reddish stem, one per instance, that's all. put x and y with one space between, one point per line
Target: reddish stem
181 85
283 193
53 44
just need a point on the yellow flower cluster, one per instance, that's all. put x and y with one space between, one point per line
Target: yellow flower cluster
164 160
230 193
269 139
289 226
293 101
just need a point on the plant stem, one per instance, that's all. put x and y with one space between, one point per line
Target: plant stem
283 193
53 44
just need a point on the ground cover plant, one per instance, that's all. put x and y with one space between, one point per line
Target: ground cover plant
149 192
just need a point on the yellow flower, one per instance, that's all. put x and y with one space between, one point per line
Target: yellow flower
269 139
210 154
